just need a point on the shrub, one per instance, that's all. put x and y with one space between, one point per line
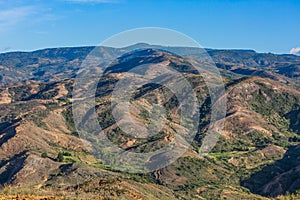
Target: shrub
66 154
60 157
44 155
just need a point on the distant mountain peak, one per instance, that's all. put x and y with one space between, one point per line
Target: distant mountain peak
140 45
144 56
150 56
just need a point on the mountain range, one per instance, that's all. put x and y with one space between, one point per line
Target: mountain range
42 155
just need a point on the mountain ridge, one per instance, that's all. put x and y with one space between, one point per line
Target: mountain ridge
40 147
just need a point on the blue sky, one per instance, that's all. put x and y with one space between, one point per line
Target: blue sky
262 25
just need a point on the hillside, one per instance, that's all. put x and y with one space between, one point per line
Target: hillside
255 157
61 63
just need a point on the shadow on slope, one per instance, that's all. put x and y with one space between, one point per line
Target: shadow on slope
278 178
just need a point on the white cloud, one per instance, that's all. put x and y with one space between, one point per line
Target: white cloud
295 50
14 15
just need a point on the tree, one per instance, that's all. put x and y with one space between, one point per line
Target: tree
44 155
60 157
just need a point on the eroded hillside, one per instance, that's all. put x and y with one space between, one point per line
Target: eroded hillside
40 147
